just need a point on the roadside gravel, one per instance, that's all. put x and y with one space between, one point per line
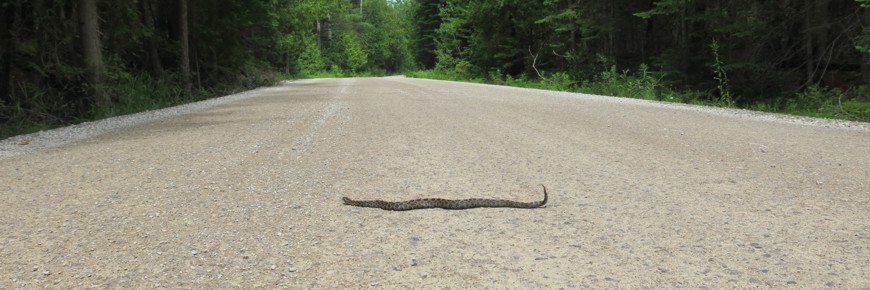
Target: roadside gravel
245 191
12 146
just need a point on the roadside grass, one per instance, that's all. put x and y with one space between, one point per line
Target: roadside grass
36 108
137 93
444 75
126 93
132 93
831 103
337 72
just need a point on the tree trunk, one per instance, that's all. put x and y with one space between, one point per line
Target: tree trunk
91 47
185 49
319 35
865 56
611 50
809 41
684 42
328 31
6 54
148 21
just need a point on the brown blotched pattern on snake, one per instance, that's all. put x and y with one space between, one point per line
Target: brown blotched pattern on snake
445 203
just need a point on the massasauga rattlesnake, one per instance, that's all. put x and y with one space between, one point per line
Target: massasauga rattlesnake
445 203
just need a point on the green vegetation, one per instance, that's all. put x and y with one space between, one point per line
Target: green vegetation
819 102
69 61
797 57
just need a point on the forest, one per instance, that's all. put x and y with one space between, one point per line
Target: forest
69 61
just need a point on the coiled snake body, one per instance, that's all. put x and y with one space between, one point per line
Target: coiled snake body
444 203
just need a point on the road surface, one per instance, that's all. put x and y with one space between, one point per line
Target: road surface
247 193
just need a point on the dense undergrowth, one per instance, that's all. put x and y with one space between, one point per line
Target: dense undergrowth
35 109
131 93
62 64
814 101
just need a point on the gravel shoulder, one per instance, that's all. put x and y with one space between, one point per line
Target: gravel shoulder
245 191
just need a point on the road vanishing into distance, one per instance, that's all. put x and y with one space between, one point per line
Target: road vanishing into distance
248 193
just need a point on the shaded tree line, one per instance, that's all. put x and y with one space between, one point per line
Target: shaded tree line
751 50
66 61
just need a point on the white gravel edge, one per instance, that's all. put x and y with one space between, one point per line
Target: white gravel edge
725 112
745 114
10 147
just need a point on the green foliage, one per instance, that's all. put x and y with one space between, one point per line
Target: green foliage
642 85
351 55
256 74
452 38
234 45
446 75
721 76
814 99
698 51
426 20
664 7
133 93
32 108
310 61
559 81
856 109
823 102
862 42
724 53
501 34
570 26
385 38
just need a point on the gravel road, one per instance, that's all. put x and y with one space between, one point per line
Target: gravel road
245 191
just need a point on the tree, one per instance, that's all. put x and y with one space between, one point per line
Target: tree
151 39
427 20
863 41
185 49
91 48
310 61
453 36
6 53
384 38
352 50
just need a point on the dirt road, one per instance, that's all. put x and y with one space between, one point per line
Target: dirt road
248 193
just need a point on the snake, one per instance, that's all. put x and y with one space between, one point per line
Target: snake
425 203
